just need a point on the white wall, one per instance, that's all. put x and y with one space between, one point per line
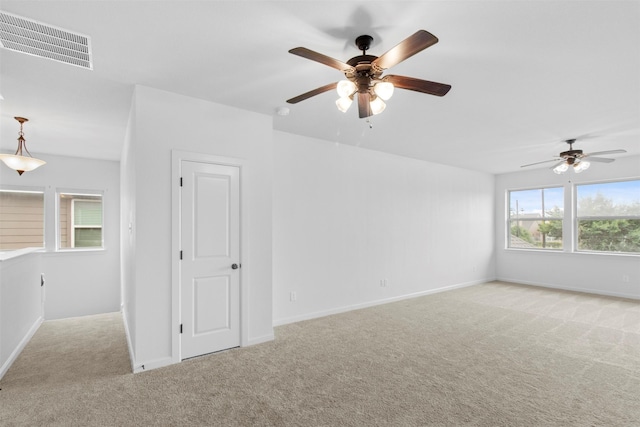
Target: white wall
20 305
346 218
127 236
596 273
77 283
162 122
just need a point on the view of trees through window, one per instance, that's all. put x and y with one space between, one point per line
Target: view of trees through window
535 218
608 216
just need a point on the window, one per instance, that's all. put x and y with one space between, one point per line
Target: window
80 217
535 218
608 217
21 219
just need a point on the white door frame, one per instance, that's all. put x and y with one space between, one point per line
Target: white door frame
177 156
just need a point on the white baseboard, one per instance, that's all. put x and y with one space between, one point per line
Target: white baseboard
132 354
21 345
322 313
259 340
152 364
136 366
569 288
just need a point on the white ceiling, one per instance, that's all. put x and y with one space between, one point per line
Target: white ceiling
525 74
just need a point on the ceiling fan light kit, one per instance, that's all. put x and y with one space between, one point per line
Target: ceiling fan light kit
576 159
21 161
577 167
364 78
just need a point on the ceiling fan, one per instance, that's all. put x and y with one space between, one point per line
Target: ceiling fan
364 74
576 158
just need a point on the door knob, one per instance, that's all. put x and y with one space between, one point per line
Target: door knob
235 266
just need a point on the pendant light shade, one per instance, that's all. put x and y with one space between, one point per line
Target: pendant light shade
19 162
384 90
344 103
581 166
377 105
345 88
561 168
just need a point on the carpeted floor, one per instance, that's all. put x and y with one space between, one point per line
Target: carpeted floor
488 355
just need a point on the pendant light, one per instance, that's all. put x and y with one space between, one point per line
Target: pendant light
19 162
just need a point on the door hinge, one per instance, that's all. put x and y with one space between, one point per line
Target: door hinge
180 181
181 255
180 327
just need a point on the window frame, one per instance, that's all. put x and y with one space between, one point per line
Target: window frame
543 218
75 192
569 220
575 218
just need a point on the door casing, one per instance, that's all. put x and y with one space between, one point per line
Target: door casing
177 156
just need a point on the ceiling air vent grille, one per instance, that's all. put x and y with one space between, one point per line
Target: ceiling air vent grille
35 38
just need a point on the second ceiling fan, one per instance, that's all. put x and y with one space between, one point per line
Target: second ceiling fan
364 74
577 159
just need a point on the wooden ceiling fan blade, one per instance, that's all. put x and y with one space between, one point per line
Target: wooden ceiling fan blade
545 161
364 108
406 49
318 57
311 93
418 85
598 159
605 152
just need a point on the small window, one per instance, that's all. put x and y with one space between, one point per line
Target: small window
21 219
608 217
80 218
535 218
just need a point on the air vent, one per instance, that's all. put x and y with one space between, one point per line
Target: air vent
35 38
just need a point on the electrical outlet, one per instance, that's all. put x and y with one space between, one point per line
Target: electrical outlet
293 296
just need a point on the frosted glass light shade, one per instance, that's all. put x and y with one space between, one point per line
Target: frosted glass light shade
344 103
384 90
21 163
345 88
561 168
377 105
582 166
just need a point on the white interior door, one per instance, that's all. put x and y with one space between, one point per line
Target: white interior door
210 265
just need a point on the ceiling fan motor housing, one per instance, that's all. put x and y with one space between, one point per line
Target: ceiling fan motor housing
571 155
363 72
364 42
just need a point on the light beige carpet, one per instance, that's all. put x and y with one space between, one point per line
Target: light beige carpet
488 355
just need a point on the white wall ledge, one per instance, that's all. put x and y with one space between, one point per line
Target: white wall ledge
7 255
